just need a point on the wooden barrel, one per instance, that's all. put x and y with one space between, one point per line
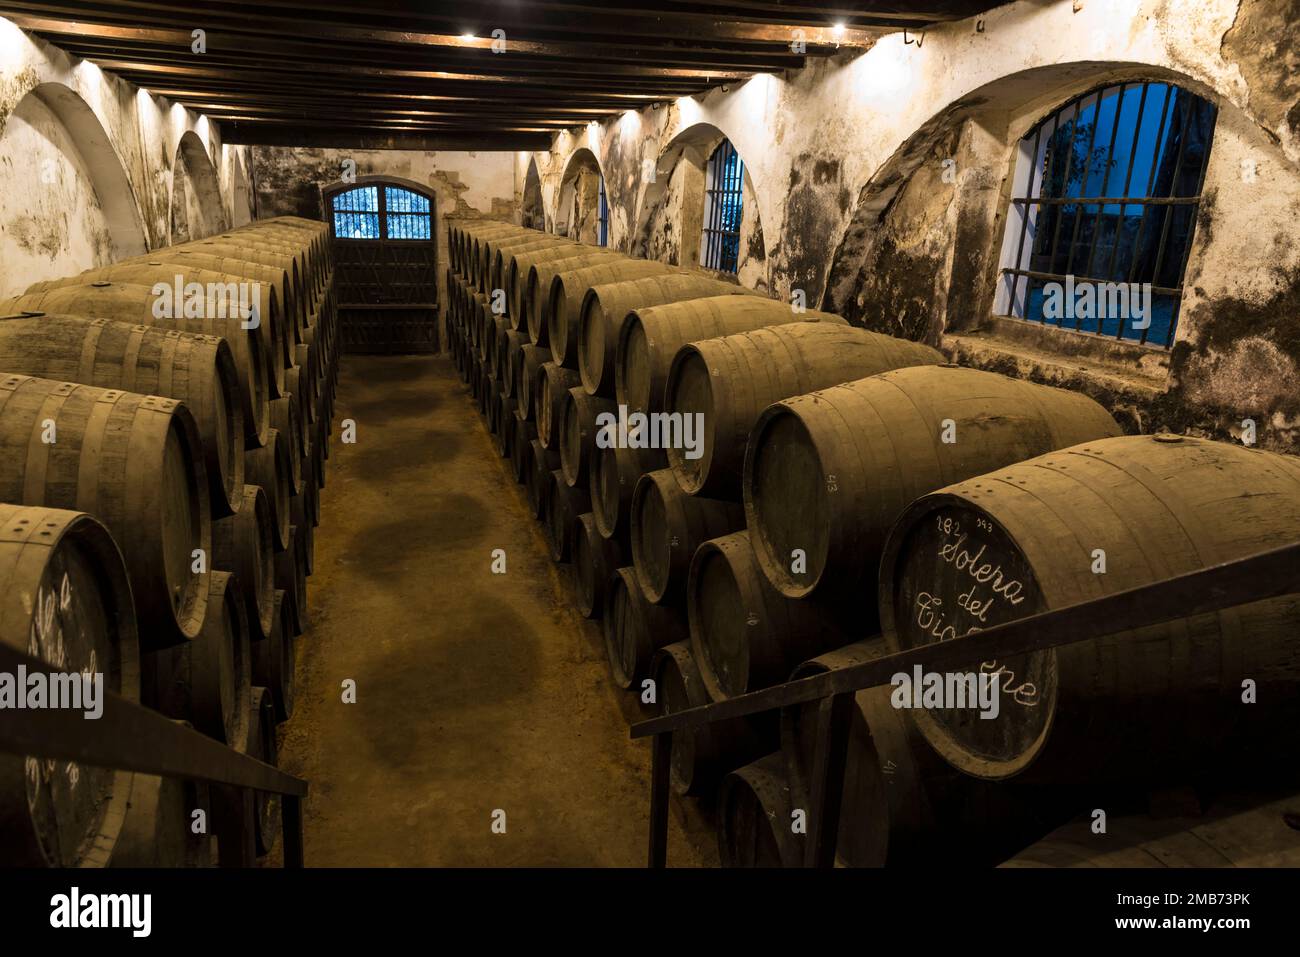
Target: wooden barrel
291 577
537 285
293 306
615 470
504 420
667 526
260 251
647 339
827 474
273 661
223 296
520 264
472 249
194 369
531 360
300 517
64 598
266 817
298 389
544 462
134 462
635 629
134 304
285 420
755 818
158 830
577 438
746 635
1239 830
594 560
569 289
270 468
561 507
1153 704
514 346
606 305
702 755
206 681
244 545
725 384
499 273
553 385
521 440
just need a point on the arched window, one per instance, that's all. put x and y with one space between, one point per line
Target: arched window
722 209
388 212
603 215
1103 211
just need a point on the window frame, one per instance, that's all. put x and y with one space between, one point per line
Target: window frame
602 214
1024 206
719 244
384 215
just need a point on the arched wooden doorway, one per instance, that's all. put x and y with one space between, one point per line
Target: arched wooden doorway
385 261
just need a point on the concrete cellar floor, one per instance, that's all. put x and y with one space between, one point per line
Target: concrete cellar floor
475 692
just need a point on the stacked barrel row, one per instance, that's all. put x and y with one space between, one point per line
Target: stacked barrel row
166 422
755 546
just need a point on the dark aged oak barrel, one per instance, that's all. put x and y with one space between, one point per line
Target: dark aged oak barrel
1152 704
195 369
544 462
133 461
521 440
568 290
206 681
561 507
476 248
224 297
594 560
607 304
635 629
531 360
731 380
667 526
273 661
514 346
553 385
244 545
537 285
578 433
64 598
504 422
285 420
647 339
755 818
615 470
903 805
520 265
1240 830
159 827
270 468
134 304
301 518
702 755
291 577
745 635
829 473
298 389
266 815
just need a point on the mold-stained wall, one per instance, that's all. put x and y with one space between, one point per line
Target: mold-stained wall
880 181
88 167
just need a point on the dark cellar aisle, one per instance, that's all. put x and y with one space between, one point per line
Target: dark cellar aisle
475 692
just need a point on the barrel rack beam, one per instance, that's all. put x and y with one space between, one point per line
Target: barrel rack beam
130 737
1257 577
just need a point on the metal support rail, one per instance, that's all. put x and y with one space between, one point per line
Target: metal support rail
130 737
1263 575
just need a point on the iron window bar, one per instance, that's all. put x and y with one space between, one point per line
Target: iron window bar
391 213
1052 170
724 208
130 737
603 214
1263 575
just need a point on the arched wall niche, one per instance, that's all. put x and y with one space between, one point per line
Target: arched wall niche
577 208
196 207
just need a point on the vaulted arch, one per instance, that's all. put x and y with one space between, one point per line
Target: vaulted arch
196 207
